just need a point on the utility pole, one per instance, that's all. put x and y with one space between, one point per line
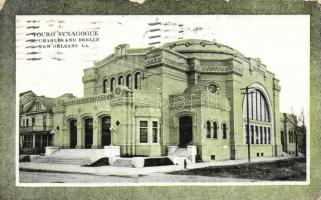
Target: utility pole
247 92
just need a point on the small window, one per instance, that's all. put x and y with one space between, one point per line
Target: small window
257 154
252 134
212 88
212 157
261 135
247 133
33 121
121 80
27 122
44 121
105 85
138 77
214 130
265 136
38 105
112 84
262 154
129 81
155 131
208 129
27 141
269 135
224 131
143 131
257 135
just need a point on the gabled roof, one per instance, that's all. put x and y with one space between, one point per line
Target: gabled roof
47 102
28 99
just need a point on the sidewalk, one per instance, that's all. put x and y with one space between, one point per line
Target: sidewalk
129 171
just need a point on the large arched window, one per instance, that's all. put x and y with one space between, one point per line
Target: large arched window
208 129
214 130
105 85
138 78
112 84
121 80
129 81
259 117
258 106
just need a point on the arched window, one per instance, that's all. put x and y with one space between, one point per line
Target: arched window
214 130
105 85
258 106
224 131
121 80
259 111
212 88
138 78
208 129
112 84
129 81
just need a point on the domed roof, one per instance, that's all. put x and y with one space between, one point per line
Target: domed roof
200 46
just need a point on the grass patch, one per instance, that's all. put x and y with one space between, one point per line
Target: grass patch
283 170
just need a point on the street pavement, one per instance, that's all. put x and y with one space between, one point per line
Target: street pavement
130 171
31 172
38 177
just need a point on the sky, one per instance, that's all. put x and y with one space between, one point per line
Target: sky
281 42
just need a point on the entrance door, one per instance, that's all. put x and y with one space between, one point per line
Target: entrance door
105 131
73 133
185 131
88 133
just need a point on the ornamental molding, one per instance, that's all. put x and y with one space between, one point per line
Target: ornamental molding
115 58
160 60
83 100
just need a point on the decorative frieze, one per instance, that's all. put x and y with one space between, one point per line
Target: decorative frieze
159 60
182 102
84 100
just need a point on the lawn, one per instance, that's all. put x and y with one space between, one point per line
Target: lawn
284 170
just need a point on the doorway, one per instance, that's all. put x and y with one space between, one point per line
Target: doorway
105 131
185 131
88 133
73 133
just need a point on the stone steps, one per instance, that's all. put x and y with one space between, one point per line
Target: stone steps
72 156
64 160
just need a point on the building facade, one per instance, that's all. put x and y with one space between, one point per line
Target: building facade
35 122
293 135
186 92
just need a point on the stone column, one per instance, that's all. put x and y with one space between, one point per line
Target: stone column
80 134
33 140
96 134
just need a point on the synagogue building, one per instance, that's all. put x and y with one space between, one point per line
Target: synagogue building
152 101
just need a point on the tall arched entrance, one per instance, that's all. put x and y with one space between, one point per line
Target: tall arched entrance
88 133
73 133
105 131
185 131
